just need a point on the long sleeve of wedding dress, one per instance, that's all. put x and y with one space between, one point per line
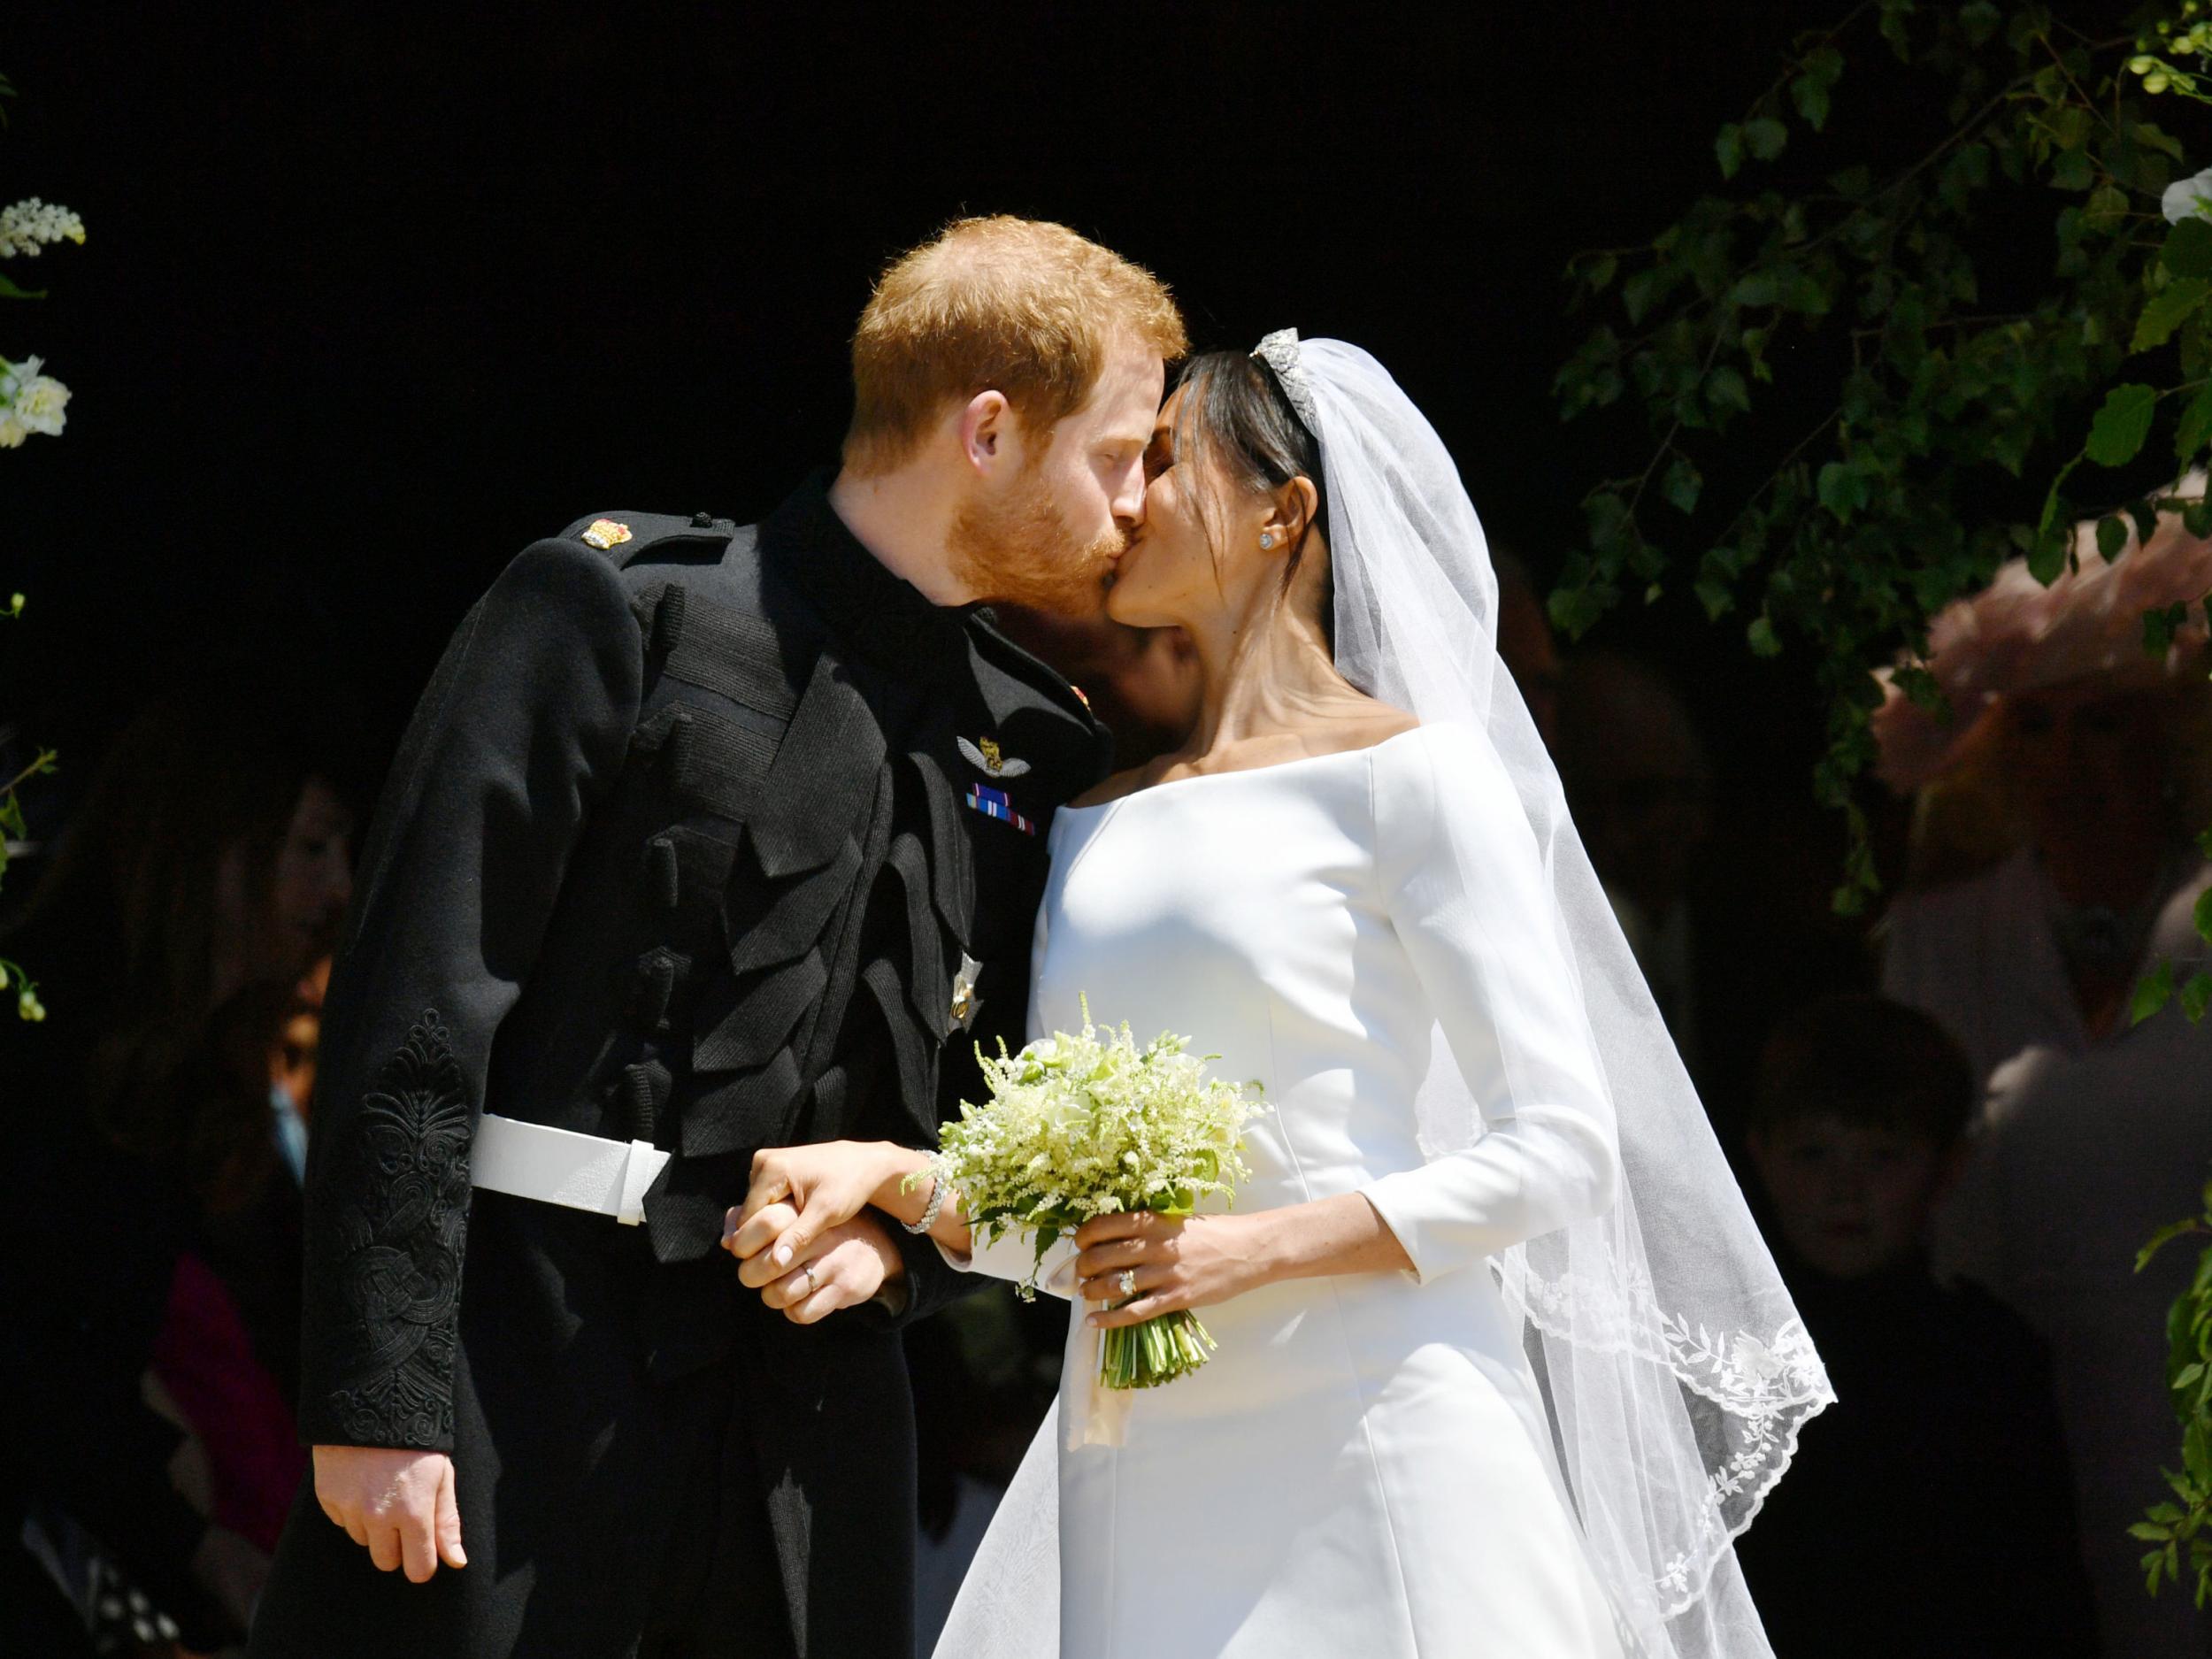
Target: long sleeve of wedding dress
1011 1255
1475 925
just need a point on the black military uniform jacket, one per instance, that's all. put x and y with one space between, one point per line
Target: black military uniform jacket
718 838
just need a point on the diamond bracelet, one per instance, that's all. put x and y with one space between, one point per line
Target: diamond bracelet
936 1203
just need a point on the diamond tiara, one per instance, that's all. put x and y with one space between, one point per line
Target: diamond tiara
1280 351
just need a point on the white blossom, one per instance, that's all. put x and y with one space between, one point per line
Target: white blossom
30 402
30 223
2186 197
39 406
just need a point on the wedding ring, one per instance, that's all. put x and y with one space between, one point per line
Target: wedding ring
807 1273
1127 1281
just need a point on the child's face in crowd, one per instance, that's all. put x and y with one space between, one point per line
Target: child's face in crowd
1852 1199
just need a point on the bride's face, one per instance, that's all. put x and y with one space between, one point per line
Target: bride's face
1170 573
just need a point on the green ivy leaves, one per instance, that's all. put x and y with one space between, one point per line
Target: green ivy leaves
2166 310
1763 138
2121 424
1728 150
1909 381
2187 249
2195 430
1683 484
1842 489
2171 1528
1810 91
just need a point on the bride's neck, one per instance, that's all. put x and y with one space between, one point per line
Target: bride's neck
1260 674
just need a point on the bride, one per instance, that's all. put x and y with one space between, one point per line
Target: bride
1503 1365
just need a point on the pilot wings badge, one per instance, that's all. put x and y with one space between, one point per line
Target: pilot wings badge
994 760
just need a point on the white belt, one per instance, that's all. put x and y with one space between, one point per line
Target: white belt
559 1166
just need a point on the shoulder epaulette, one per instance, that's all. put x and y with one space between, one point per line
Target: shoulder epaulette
627 537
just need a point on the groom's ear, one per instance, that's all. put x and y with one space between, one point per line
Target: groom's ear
988 440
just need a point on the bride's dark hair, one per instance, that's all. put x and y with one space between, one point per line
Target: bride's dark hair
1235 410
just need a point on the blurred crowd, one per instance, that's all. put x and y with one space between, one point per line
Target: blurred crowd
1952 1129
151 1269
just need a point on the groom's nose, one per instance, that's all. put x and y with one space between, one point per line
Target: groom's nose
1128 503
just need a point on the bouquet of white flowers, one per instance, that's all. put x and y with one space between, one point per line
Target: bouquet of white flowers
1091 1124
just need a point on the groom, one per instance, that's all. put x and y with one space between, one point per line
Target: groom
702 839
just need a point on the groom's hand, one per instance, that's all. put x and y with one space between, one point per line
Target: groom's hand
398 1505
827 1184
843 1267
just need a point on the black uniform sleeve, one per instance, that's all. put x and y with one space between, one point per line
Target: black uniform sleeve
525 726
931 1286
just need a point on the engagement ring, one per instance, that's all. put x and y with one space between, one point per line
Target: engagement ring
1128 1281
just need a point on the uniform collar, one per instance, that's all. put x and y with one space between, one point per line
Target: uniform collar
881 615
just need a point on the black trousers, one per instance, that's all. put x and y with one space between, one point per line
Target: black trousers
606 1512
719 1596
692 1576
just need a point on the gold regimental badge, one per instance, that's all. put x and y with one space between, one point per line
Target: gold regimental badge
606 533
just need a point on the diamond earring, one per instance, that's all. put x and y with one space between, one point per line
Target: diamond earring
1267 538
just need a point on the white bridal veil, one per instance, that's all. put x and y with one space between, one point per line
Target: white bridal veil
1676 1372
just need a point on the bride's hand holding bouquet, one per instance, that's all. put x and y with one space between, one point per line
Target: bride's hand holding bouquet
1087 1135
1172 1263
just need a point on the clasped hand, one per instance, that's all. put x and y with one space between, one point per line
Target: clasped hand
802 1237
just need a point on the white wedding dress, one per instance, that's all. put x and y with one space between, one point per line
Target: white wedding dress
1364 1467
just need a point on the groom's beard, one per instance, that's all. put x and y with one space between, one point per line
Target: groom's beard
1020 551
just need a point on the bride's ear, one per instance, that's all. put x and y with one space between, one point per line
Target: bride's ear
1290 512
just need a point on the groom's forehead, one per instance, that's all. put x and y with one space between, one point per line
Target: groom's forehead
1124 401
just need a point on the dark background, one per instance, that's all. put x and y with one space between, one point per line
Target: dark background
375 294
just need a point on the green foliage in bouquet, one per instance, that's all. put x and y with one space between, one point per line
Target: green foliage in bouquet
1090 1125
1943 415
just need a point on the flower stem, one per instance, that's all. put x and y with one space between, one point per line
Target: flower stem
1157 1351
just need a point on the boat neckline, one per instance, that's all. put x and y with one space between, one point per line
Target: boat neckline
1245 771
